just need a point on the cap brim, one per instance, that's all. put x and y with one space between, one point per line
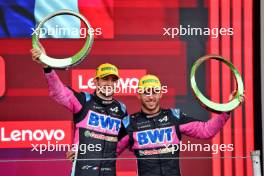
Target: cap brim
105 75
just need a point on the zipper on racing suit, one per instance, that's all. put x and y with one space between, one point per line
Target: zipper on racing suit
160 164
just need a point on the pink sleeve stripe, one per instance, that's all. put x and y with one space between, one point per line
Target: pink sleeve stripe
122 145
204 130
61 94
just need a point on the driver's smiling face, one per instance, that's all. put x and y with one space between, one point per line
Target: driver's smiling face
150 98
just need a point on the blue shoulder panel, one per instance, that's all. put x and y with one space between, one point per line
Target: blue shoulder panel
176 113
87 96
123 107
126 121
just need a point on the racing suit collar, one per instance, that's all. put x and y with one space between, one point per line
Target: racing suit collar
151 115
102 101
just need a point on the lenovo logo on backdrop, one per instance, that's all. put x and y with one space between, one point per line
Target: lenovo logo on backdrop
82 80
22 134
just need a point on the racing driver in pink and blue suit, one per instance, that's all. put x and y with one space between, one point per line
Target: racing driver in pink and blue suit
97 118
154 132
